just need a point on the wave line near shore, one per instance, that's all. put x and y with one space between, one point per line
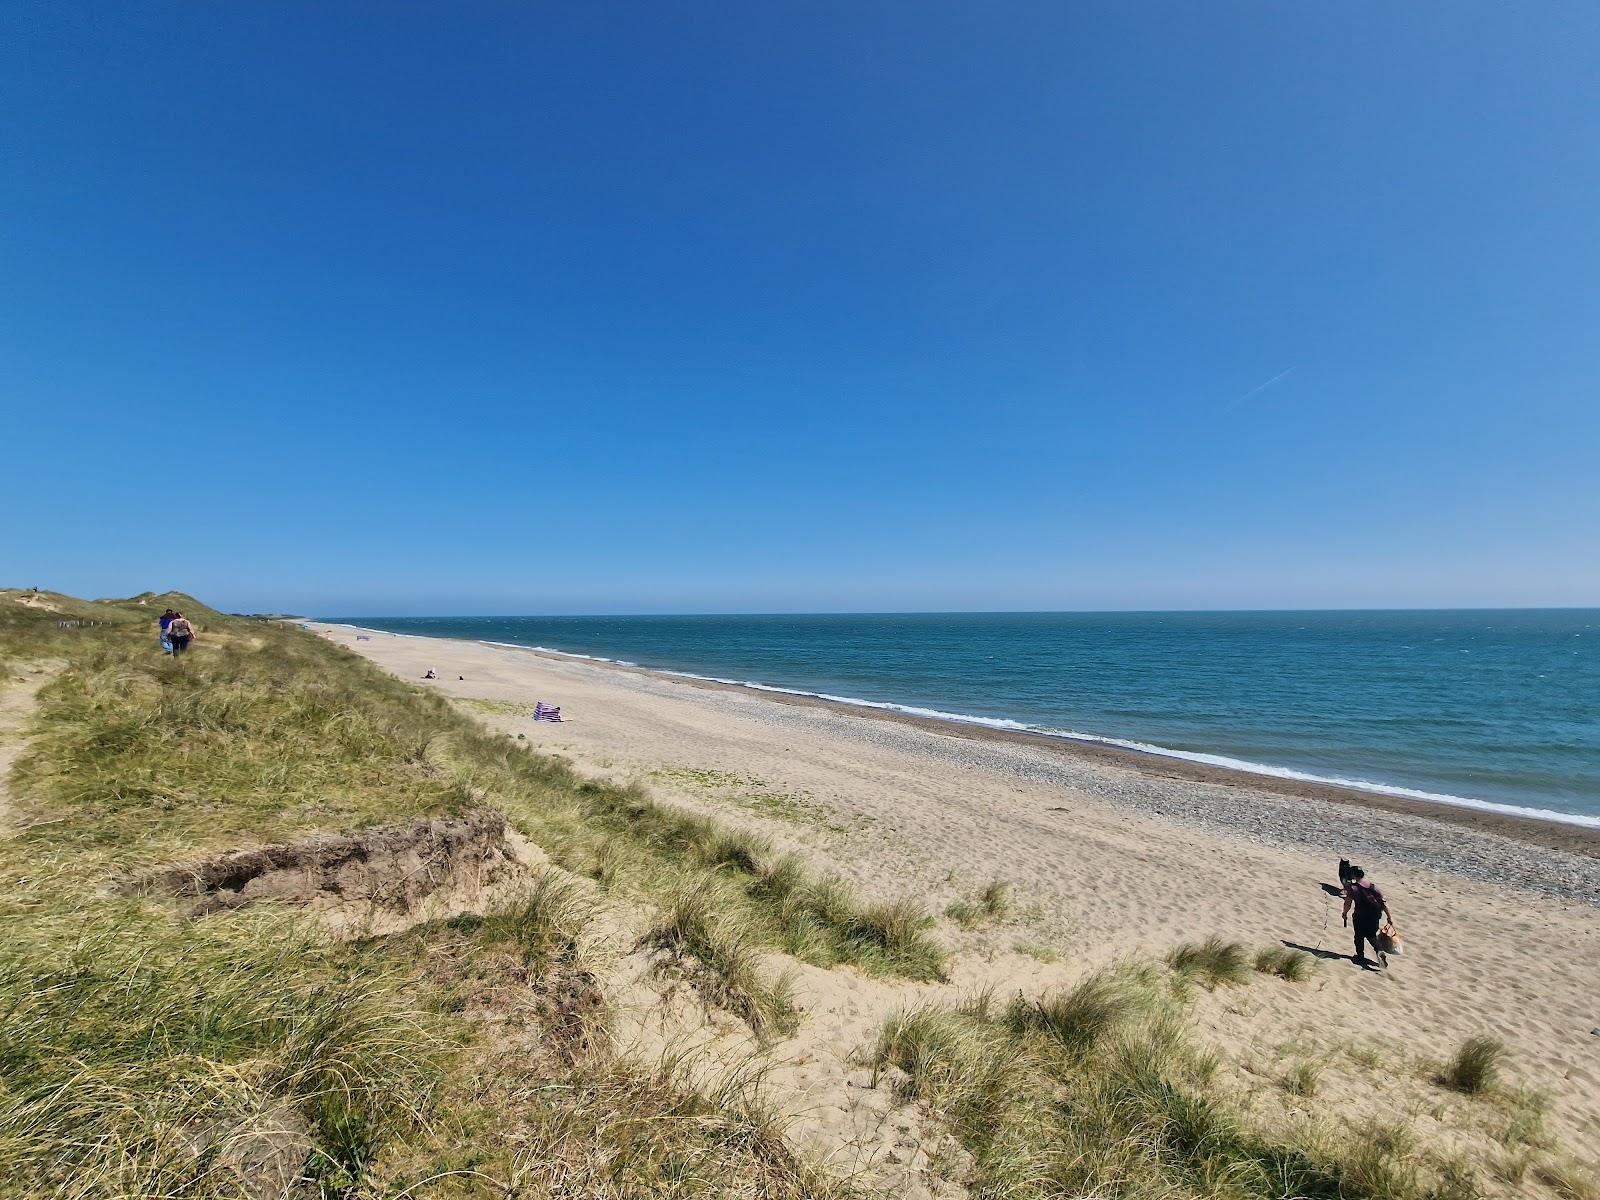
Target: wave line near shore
1212 767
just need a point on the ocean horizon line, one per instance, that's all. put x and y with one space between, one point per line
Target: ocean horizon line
947 612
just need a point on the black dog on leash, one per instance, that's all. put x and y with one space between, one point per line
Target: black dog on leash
1346 874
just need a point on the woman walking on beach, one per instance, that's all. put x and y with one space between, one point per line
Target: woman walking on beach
180 633
1371 910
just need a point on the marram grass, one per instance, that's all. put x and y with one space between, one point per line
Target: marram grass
1475 1066
1293 965
1211 962
1099 1092
127 1043
731 973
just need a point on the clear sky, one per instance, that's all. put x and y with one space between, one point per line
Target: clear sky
520 307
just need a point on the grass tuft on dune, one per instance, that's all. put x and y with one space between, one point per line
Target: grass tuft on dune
1475 1066
1212 962
1293 965
733 975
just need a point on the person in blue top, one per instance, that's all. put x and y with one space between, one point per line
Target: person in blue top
166 619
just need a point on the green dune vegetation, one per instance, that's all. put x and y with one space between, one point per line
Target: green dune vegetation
145 1054
165 1037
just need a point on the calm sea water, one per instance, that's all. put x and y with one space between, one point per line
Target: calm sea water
1497 707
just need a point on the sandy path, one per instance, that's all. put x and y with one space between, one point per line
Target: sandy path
17 698
1099 872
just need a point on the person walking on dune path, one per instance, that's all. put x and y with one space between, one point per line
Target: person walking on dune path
166 620
1371 909
180 633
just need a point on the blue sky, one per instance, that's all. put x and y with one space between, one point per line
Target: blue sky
513 307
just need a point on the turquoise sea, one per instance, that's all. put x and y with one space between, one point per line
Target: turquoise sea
1497 708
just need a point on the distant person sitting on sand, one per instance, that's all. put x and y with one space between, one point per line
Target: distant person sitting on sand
180 633
430 674
1371 910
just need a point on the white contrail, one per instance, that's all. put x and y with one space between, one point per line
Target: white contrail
1261 387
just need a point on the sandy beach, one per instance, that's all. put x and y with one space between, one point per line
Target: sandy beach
1111 855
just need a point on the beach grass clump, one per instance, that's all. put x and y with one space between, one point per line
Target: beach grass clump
737 848
1475 1066
1286 963
732 975
678 1139
1080 1016
1302 1078
1513 1165
955 1060
1212 962
898 928
992 904
820 920
1038 951
1364 1055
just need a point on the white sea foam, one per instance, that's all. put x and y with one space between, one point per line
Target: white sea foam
615 662
1211 760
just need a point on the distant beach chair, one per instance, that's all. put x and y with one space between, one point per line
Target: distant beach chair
361 637
546 712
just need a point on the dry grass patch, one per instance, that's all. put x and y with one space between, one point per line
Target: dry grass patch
127 1040
531 1112
1293 965
992 904
1038 951
1212 962
605 1130
1302 1079
535 955
1567 1180
1475 1067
